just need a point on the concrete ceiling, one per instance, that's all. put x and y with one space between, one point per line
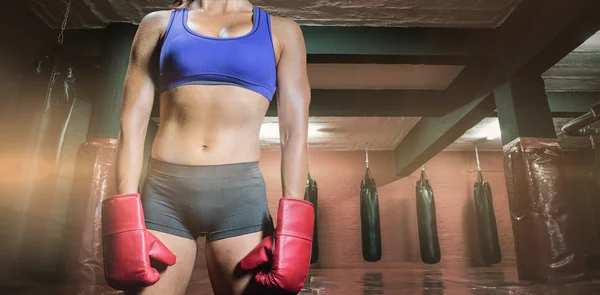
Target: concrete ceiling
578 71
342 134
413 13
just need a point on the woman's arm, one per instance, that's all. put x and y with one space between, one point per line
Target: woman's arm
138 97
288 264
293 99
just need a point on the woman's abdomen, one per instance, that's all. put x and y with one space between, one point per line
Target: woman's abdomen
178 147
202 127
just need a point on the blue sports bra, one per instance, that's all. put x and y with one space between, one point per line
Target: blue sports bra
247 61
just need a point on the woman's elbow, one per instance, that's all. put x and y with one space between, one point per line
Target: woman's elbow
298 139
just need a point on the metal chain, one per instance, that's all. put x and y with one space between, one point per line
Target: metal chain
477 157
367 154
61 36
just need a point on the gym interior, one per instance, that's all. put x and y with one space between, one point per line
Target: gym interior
452 144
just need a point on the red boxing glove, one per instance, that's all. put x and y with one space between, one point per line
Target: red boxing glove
127 246
288 251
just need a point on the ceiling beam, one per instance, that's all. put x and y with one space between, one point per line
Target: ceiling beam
568 104
367 103
412 103
372 103
330 44
393 59
431 135
440 46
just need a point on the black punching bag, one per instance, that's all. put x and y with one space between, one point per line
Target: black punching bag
427 222
486 222
312 195
369 217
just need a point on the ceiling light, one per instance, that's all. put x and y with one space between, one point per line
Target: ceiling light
271 131
491 130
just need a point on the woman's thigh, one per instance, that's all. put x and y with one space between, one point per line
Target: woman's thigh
174 279
223 257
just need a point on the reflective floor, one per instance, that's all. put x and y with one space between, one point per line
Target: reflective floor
409 280
434 281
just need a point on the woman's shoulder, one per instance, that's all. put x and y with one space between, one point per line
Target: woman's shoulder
157 17
285 28
284 23
156 21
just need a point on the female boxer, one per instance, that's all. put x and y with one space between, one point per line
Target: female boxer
216 65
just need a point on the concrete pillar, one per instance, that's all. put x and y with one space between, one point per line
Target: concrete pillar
543 215
106 112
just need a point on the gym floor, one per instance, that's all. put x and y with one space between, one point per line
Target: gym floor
408 280
419 279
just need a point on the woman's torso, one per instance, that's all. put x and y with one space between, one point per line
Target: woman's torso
214 124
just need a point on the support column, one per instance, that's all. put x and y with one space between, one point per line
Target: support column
543 214
105 114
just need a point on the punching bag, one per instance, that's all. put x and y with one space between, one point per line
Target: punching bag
55 116
427 222
312 195
486 221
369 217
47 139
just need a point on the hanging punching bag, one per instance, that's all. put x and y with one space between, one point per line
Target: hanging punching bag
427 222
55 111
369 217
486 221
312 195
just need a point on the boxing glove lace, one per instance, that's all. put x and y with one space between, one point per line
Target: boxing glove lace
127 246
288 251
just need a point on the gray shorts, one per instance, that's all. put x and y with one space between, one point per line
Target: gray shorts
218 201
